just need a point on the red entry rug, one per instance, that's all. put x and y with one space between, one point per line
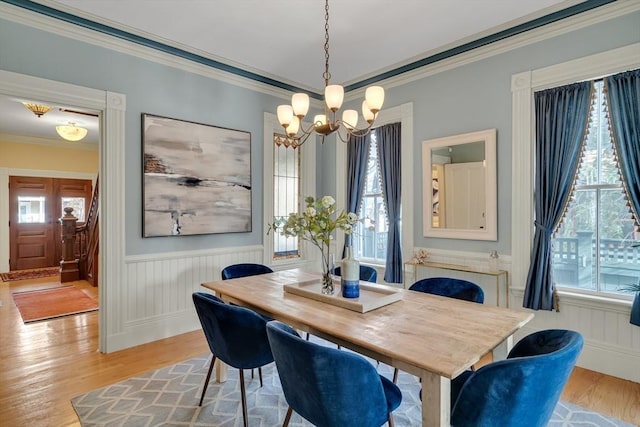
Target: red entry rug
30 274
51 303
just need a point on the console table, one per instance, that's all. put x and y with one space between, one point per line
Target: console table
499 275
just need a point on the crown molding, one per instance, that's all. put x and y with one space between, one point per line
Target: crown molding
76 32
594 16
196 62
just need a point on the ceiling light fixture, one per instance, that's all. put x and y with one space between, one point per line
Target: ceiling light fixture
291 116
71 132
37 109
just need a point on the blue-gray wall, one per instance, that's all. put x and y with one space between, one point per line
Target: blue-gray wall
466 99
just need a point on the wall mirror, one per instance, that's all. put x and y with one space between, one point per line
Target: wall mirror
459 186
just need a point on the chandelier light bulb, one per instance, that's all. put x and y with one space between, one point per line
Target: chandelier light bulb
285 114
300 104
367 114
350 118
293 127
374 95
333 96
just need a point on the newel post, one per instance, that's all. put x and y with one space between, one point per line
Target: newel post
69 264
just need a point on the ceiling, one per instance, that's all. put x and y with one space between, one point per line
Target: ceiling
284 39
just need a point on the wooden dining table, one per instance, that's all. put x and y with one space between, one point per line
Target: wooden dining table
434 338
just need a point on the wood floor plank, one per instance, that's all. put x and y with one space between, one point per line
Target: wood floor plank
45 364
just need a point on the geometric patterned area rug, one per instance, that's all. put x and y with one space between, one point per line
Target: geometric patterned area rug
47 304
169 397
30 274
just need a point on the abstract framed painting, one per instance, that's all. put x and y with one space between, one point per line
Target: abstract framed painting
197 178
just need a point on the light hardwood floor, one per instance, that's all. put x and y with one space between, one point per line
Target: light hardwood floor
43 365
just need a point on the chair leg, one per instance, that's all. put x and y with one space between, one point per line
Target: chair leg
260 375
395 376
206 381
287 417
243 395
390 420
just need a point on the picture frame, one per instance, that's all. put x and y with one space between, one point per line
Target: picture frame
196 178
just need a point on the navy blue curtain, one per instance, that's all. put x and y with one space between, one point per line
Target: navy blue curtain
623 91
561 122
389 153
357 159
623 96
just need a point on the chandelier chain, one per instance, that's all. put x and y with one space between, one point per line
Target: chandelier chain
326 75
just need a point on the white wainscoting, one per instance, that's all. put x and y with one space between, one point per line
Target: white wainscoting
155 300
611 343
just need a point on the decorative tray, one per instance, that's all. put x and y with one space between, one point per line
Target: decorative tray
372 295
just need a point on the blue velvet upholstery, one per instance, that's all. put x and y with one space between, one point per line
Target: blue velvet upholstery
330 387
450 287
236 335
521 390
243 270
367 273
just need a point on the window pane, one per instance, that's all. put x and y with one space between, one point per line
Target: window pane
574 243
31 210
286 169
370 237
77 203
619 259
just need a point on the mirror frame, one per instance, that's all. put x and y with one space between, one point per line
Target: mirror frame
490 232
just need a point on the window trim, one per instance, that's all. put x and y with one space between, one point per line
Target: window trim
523 86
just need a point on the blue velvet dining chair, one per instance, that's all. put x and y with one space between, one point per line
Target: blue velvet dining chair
450 287
447 287
367 273
520 390
243 270
330 387
236 335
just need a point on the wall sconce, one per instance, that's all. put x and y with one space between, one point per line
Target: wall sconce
71 132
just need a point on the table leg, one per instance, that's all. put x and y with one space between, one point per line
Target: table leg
436 400
221 371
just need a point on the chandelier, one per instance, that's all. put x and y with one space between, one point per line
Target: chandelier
291 116
71 132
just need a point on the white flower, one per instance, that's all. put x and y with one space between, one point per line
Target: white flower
327 201
310 211
351 217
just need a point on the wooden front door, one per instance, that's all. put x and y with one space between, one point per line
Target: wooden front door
35 204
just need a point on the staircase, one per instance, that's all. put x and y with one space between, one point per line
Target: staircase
87 238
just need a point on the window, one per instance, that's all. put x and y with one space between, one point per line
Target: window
370 237
77 203
286 193
595 247
31 210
